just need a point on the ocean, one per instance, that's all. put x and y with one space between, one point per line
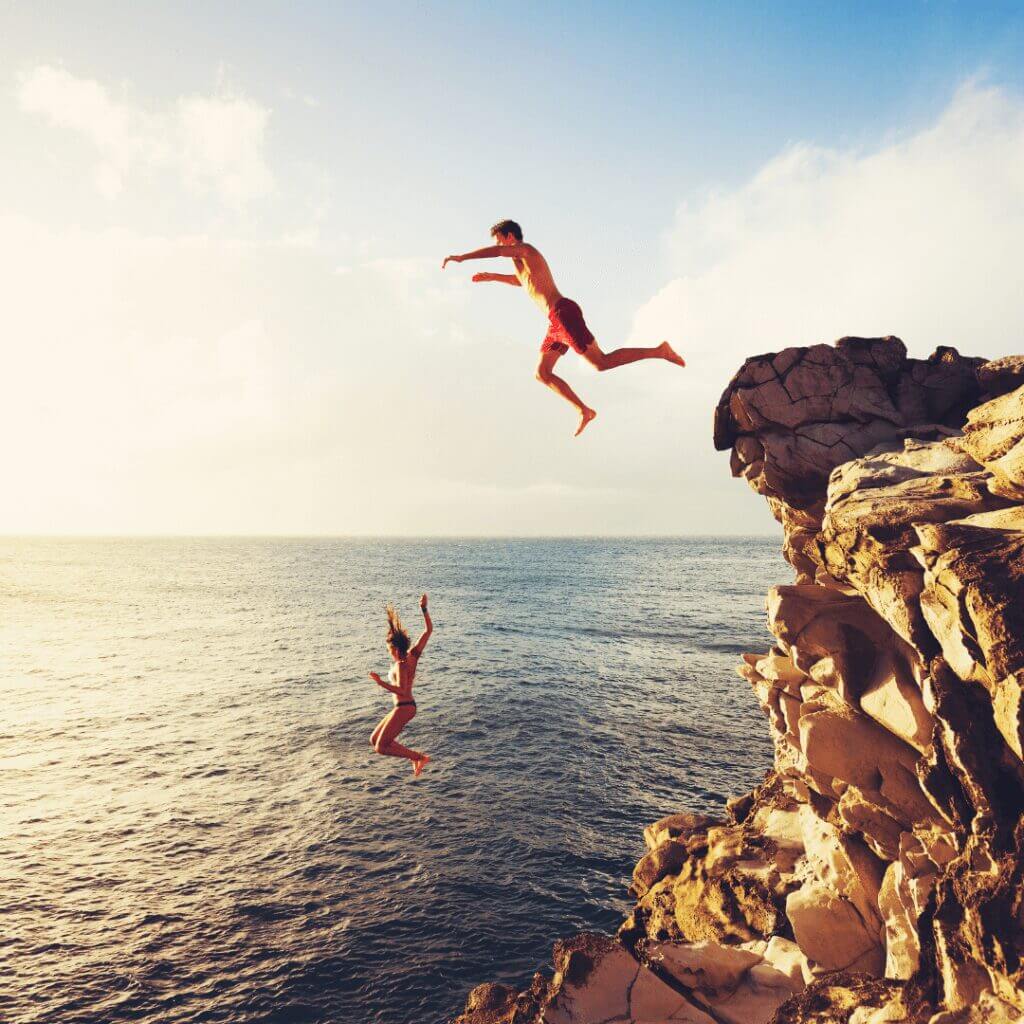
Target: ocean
193 826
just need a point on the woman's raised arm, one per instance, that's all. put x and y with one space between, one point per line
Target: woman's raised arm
428 628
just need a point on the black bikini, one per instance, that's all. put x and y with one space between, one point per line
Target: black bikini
405 703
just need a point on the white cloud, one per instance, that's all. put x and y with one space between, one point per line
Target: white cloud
214 143
919 238
120 344
401 269
423 291
306 98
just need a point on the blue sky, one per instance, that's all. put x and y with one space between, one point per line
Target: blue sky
366 141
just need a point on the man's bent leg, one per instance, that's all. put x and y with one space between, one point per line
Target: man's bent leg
546 375
621 356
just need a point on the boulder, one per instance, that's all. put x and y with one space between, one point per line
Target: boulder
841 642
596 981
674 826
973 602
490 1004
779 414
988 1009
663 860
998 376
735 984
844 863
876 826
902 899
868 533
830 931
994 436
847 745
845 998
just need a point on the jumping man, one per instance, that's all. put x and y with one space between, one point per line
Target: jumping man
567 326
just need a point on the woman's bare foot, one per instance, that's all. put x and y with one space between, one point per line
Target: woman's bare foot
669 353
586 415
417 765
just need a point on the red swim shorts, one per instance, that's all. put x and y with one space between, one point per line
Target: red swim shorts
567 328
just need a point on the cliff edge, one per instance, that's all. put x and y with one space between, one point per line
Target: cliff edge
876 875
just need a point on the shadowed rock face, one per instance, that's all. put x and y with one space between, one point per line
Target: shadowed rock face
877 875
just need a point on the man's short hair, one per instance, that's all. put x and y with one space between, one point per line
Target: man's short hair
507 227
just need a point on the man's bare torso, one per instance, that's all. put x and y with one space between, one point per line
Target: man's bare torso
534 275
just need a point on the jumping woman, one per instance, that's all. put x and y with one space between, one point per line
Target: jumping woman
402 673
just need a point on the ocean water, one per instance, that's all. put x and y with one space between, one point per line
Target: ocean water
193 826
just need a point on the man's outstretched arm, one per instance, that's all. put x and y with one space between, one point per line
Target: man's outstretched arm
511 251
503 278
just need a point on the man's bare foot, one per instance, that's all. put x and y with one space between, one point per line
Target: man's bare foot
669 353
586 415
417 765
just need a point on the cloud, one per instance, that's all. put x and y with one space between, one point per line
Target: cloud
121 345
214 143
919 238
306 98
422 291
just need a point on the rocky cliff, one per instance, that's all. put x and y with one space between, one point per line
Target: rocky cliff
876 875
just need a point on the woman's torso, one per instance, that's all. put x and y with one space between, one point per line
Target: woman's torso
402 673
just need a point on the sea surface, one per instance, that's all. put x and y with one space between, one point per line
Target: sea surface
193 826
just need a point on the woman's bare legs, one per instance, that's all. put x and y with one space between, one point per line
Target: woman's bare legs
384 738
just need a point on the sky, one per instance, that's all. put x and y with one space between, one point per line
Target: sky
221 229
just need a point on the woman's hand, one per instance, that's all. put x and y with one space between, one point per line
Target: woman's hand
428 629
478 278
450 259
376 678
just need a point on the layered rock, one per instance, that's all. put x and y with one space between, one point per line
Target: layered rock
876 874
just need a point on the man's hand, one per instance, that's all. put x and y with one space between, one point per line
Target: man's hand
423 603
450 259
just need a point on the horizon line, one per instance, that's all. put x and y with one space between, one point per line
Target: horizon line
375 536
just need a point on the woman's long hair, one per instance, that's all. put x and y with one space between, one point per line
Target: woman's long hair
397 636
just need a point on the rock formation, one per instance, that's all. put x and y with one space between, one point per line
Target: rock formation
876 875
